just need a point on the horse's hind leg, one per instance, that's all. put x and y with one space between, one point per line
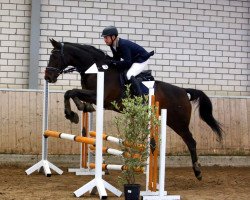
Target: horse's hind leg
191 144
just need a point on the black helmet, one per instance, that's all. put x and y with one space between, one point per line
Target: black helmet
109 31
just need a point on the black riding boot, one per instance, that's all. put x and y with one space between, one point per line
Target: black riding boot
136 86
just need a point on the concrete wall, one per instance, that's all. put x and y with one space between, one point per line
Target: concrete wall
203 44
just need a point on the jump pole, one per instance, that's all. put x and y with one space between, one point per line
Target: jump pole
67 136
44 163
98 181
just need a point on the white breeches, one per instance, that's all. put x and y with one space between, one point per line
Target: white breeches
136 69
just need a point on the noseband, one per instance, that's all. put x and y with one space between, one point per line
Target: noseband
61 70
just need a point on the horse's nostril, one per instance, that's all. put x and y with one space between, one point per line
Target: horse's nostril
47 78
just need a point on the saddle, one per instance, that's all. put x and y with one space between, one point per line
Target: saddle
143 76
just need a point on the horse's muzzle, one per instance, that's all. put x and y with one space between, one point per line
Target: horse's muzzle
50 79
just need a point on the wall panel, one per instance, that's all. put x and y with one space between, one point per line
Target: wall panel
21 126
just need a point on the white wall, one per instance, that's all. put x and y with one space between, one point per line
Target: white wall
203 44
14 43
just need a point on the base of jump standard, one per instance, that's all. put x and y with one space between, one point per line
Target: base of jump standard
155 196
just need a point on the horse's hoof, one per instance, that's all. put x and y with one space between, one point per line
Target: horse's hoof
199 177
197 170
198 174
73 117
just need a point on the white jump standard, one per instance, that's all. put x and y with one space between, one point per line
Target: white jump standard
98 181
44 163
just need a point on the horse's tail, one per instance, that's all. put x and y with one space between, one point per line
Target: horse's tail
205 110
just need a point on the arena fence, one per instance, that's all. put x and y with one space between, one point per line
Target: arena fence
21 125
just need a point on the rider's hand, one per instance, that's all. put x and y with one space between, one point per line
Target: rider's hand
110 63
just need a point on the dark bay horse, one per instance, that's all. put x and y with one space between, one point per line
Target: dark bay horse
173 98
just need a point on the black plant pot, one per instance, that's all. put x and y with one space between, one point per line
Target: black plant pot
132 191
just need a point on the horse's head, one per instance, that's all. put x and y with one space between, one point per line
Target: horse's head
57 62
80 57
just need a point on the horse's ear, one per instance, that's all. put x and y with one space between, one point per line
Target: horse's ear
55 43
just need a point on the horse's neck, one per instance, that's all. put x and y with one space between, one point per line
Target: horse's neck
84 58
79 60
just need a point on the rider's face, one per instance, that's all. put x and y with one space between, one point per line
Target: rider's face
108 40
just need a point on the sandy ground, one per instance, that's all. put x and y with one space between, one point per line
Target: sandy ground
218 184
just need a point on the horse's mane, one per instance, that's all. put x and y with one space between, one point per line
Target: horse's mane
97 53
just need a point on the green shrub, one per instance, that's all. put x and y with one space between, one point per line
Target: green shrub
133 128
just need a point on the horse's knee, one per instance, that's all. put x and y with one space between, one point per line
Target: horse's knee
70 94
88 107
67 94
80 105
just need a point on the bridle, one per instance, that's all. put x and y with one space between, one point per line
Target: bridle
61 70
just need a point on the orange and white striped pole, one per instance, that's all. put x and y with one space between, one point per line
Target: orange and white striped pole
116 152
107 137
118 141
56 134
116 167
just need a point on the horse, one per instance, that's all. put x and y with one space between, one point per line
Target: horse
173 98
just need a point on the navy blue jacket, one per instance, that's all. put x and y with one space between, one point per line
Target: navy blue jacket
130 52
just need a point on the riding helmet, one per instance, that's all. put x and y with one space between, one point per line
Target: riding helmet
109 31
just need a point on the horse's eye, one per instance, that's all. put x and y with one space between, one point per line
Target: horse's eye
53 56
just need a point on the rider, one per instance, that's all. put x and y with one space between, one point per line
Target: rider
126 55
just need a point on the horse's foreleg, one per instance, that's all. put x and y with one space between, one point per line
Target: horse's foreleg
82 99
69 114
79 104
84 106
